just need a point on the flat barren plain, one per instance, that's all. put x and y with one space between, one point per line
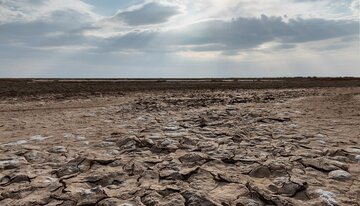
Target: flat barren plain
210 142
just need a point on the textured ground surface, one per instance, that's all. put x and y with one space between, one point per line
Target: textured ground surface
239 147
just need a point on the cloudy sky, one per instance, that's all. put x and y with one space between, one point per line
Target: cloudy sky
179 38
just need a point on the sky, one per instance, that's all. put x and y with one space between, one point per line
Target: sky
179 38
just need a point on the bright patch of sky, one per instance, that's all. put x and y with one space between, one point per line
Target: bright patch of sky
110 7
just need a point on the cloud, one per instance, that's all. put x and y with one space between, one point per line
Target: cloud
178 37
148 13
355 7
47 26
40 10
238 34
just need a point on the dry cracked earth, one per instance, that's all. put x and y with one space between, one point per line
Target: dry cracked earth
207 148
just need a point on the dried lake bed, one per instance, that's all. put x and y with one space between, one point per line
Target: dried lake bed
191 146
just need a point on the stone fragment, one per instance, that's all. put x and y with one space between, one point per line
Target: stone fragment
128 144
357 158
260 172
106 144
91 196
58 150
193 158
134 168
196 198
34 156
155 198
340 175
152 199
277 168
225 193
38 138
328 197
12 162
14 178
118 202
35 197
18 142
260 192
149 178
45 182
243 201
72 167
324 164
202 180
285 187
174 199
101 177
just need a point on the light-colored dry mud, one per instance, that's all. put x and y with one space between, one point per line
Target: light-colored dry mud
265 147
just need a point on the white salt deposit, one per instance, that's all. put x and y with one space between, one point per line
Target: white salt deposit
357 158
38 138
19 142
329 197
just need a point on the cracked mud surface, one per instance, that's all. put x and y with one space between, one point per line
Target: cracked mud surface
240 147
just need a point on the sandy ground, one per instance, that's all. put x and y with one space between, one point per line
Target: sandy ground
239 147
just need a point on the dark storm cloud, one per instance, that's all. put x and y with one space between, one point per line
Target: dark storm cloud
150 13
238 34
